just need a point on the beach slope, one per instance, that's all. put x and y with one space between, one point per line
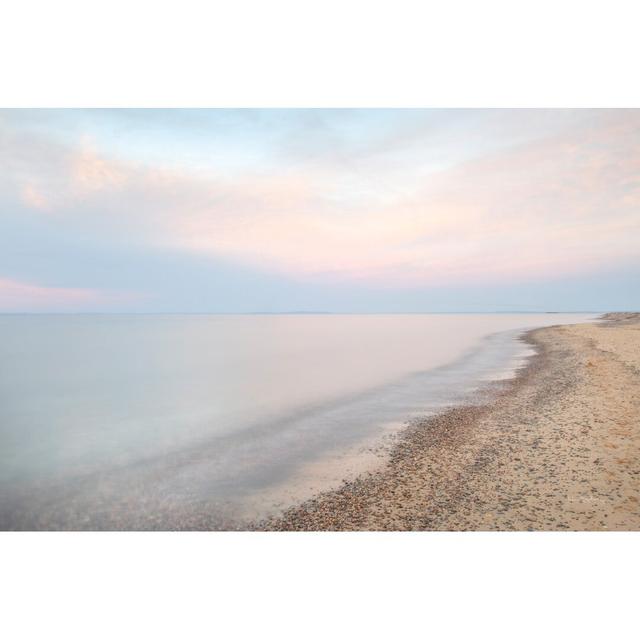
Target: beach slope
558 448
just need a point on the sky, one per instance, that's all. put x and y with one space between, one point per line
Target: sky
345 210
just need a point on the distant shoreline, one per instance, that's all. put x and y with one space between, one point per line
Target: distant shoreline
556 448
289 313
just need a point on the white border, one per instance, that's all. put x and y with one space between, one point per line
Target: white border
361 585
333 53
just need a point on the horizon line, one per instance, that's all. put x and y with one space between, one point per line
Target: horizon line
283 313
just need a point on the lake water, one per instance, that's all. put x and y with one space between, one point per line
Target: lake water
183 421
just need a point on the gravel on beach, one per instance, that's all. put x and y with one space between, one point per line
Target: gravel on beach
556 448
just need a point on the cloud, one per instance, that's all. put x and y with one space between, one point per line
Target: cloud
92 173
563 199
33 198
19 296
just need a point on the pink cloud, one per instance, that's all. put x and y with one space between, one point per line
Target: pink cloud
89 172
565 203
17 295
33 198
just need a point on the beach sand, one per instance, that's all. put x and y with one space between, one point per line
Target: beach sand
556 448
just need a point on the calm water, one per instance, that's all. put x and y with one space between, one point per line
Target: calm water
181 421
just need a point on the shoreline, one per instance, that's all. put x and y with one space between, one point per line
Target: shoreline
371 454
553 448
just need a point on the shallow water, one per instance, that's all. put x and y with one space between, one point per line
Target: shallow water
179 421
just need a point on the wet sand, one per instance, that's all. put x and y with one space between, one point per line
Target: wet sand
556 448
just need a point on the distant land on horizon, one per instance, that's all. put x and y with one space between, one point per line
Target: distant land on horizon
310 313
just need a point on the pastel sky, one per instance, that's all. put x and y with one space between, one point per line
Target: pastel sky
328 210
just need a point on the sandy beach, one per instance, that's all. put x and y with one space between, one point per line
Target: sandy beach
556 448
